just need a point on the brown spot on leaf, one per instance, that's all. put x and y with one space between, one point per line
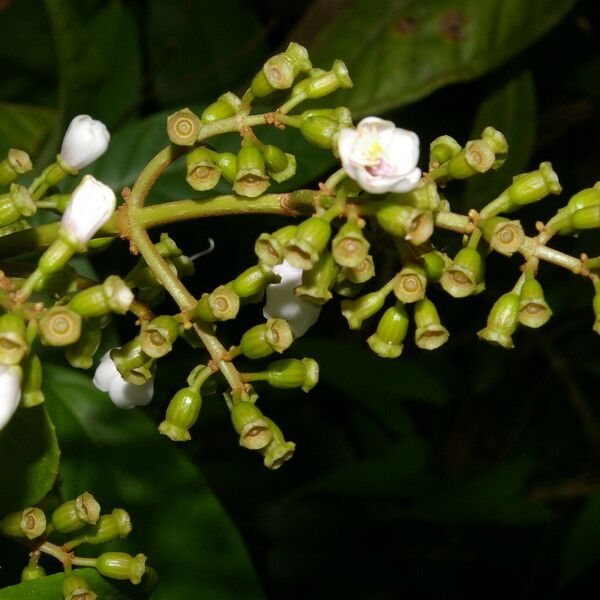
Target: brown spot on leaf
406 26
452 25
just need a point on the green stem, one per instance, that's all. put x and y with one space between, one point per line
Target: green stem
495 207
291 103
79 561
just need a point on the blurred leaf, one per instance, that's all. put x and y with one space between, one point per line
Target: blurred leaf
582 545
510 108
195 54
398 52
29 457
24 127
120 456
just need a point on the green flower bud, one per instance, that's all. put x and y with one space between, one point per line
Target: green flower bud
29 522
134 365
356 311
391 331
31 386
278 451
291 373
58 282
583 199
326 83
254 280
16 204
119 565
280 165
502 321
316 282
183 127
13 342
76 588
430 333
410 284
533 309
226 106
279 71
434 263
60 326
531 187
503 235
262 340
408 222
75 514
465 275
167 247
202 173
441 150
424 197
360 274
227 163
221 304
321 131
81 354
251 179
182 414
310 239
113 295
349 247
476 157
586 218
31 572
17 162
251 425
109 527
158 336
269 246
497 142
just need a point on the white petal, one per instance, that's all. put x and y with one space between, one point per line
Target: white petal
374 185
10 393
408 182
346 140
126 395
85 140
105 373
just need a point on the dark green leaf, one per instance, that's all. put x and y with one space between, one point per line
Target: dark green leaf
177 520
29 457
24 127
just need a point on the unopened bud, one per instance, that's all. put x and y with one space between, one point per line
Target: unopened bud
408 222
291 373
221 304
533 309
269 246
13 339
16 163
279 450
226 106
182 414
328 82
477 157
281 166
310 239
254 280
434 263
16 204
109 527
60 326
251 425
75 514
441 150
158 336
262 340
391 331
119 565
349 247
202 173
497 142
361 273
464 276
321 131
586 218
502 321
29 523
430 333
111 296
76 588
183 127
356 311
31 572
424 197
316 282
227 163
251 179
531 187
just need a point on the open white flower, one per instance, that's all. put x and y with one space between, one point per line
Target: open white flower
380 156
85 140
92 204
282 303
10 392
123 394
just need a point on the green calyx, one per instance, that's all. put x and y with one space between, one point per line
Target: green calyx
533 309
31 386
202 171
182 413
158 336
281 166
76 514
430 333
76 588
251 179
28 523
502 321
316 282
279 450
16 204
410 284
532 187
293 373
262 340
222 304
134 365
464 277
254 280
503 235
60 326
183 127
310 239
441 150
226 106
405 221
361 273
251 425
13 339
356 311
16 163
391 331
269 247
119 565
349 247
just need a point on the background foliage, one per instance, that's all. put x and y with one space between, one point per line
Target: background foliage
428 475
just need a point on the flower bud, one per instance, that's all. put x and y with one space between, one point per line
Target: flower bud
410 284
183 127
321 131
16 204
16 163
476 157
465 275
291 373
349 247
582 199
254 280
310 239
497 142
430 333
262 340
404 221
226 106
533 309
31 388
356 311
586 218
502 321
167 247
362 273
202 173
251 179
75 514
316 282
424 196
269 246
182 414
278 451
60 326
391 331
158 336
76 588
434 263
119 565
13 342
279 71
85 140
10 392
221 304
91 206
281 166
503 235
531 187
59 282
108 528
227 163
29 523
441 150
251 425
328 82
31 572
111 296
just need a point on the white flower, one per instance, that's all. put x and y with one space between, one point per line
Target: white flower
85 140
123 394
10 392
92 204
282 303
380 156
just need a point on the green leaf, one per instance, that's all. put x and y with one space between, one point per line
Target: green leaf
398 52
581 550
510 108
177 521
29 457
50 588
24 127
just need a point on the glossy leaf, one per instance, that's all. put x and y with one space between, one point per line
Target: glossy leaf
177 520
29 457
24 127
